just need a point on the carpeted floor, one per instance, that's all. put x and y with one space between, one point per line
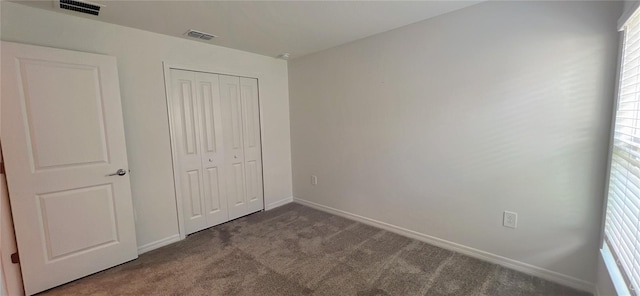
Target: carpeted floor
296 250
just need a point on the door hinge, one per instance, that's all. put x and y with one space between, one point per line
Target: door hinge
15 258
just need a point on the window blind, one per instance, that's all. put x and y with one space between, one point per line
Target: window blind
622 223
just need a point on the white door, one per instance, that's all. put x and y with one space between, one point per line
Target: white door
215 192
187 142
243 154
63 142
232 123
197 133
252 147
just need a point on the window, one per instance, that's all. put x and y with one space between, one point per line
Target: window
622 223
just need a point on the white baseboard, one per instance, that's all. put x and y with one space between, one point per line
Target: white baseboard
174 238
158 244
479 254
281 202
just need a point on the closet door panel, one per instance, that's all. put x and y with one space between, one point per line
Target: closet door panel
186 121
213 192
192 193
215 200
237 184
252 146
232 125
253 192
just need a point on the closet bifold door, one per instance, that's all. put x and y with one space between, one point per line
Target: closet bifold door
197 132
187 137
215 199
232 122
252 146
243 156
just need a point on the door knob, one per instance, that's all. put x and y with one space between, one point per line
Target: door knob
235 156
120 172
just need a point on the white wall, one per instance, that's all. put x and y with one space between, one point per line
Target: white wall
440 126
140 55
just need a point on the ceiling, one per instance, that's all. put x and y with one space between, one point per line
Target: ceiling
268 27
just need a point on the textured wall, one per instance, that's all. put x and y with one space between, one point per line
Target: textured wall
140 55
440 126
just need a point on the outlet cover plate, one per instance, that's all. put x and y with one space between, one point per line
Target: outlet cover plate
510 219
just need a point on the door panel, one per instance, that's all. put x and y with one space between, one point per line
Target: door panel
63 135
209 115
193 197
77 220
252 180
189 107
252 147
238 185
53 79
234 143
249 99
186 134
236 115
212 161
213 205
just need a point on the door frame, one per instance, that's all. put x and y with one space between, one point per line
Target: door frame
10 273
167 66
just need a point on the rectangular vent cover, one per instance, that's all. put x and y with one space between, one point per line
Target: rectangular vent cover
79 6
200 35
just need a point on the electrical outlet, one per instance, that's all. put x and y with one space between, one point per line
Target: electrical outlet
510 219
314 180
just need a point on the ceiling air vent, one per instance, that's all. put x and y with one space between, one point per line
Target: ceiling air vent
200 35
79 6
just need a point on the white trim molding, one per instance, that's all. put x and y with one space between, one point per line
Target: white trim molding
279 203
613 271
462 249
629 8
158 244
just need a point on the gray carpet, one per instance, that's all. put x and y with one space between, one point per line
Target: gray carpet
296 250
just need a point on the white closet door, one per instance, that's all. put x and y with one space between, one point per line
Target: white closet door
252 147
215 199
216 130
233 145
197 132
186 120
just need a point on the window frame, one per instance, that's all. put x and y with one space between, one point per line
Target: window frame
614 270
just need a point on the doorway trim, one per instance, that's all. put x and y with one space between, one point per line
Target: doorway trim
167 66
